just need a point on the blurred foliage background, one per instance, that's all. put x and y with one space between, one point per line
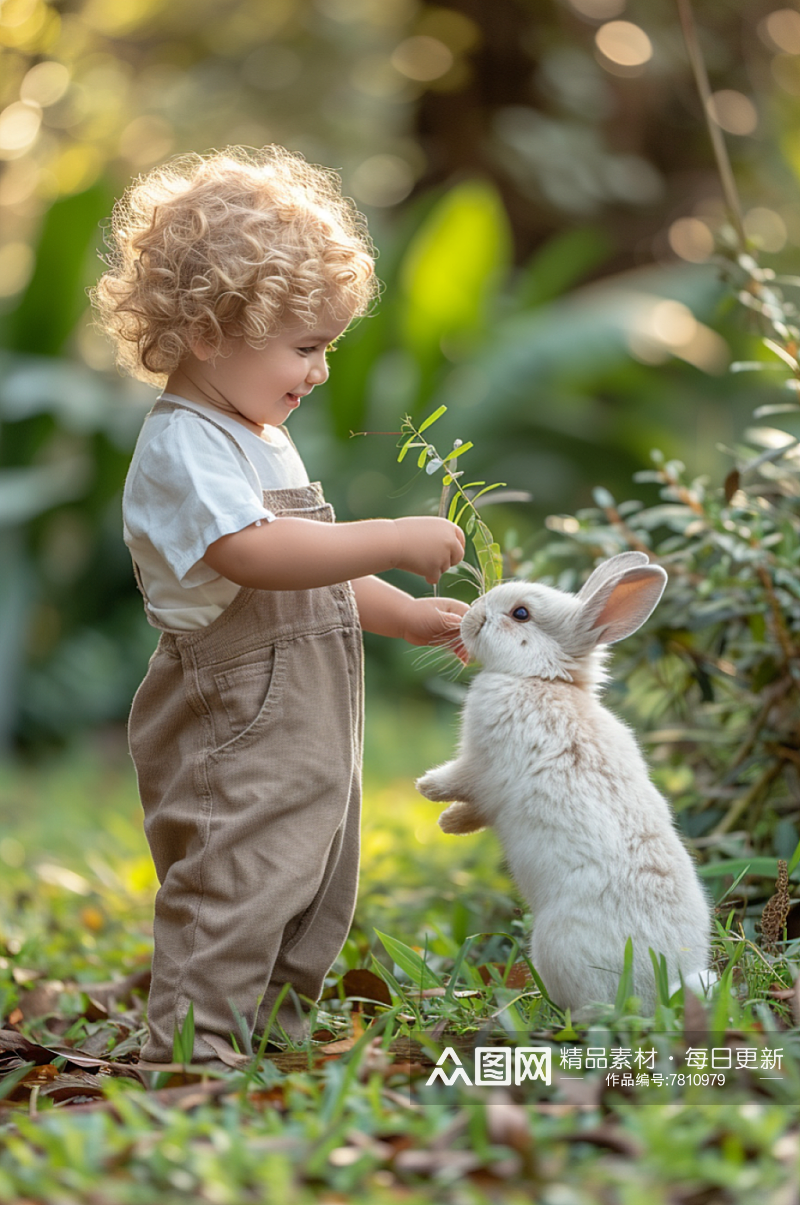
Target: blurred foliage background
538 179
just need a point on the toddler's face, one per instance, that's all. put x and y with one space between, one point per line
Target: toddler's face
265 385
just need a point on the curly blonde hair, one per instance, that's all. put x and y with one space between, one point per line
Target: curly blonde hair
231 244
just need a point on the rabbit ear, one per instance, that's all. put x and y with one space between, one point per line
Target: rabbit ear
613 567
622 603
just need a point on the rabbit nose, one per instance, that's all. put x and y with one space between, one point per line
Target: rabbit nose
472 623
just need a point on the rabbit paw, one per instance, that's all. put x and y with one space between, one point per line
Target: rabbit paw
460 818
432 788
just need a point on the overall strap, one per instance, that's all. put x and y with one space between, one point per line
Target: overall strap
167 404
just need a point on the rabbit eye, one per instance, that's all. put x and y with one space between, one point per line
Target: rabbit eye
521 614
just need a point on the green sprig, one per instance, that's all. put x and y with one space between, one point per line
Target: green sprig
461 508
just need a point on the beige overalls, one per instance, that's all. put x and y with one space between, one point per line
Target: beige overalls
246 736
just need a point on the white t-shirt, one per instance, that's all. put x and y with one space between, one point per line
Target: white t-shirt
188 485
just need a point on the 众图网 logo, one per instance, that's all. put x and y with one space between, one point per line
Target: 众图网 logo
494 1067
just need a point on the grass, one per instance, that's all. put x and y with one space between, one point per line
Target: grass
349 1118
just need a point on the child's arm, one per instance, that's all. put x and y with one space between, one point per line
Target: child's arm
290 553
423 621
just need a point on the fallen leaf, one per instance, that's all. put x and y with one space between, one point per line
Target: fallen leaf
109 994
519 975
432 1163
40 1001
365 985
508 1123
339 1047
42 1074
60 1086
185 1096
15 1046
732 484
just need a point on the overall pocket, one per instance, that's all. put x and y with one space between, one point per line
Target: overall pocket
246 696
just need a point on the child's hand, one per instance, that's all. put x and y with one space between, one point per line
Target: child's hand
436 621
428 546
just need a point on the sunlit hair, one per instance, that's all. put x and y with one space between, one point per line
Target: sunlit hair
232 244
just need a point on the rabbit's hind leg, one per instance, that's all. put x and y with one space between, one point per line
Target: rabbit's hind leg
571 971
460 818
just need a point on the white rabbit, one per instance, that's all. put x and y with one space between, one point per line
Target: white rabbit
588 838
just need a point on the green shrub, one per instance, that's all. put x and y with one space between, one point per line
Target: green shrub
715 676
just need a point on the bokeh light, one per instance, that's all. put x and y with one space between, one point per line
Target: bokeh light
18 182
665 327
781 30
423 58
382 180
19 126
623 46
766 228
673 323
45 83
691 239
733 111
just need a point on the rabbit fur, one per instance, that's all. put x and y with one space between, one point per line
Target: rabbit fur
588 838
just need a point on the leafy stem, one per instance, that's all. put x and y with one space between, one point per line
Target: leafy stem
460 508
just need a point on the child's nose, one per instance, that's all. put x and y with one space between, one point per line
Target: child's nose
317 370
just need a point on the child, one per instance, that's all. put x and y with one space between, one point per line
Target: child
230 276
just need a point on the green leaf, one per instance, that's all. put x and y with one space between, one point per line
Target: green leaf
457 451
9 1082
410 443
603 498
183 1038
730 890
52 304
497 486
661 976
423 456
561 262
625 988
431 419
794 859
409 961
764 867
490 556
453 268
542 353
